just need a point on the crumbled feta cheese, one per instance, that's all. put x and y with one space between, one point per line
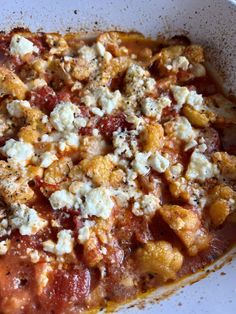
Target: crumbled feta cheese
191 144
140 163
149 204
107 56
98 203
153 107
89 99
20 46
100 49
3 227
84 232
26 219
47 159
36 83
87 53
4 246
108 100
80 188
138 81
16 108
18 151
62 116
104 98
33 254
195 100
44 119
180 94
158 162
61 198
72 139
65 242
200 168
125 142
97 112
95 132
180 62
64 245
80 122
183 129
176 170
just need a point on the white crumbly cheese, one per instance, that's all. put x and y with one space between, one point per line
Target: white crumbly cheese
183 129
80 122
26 219
65 141
189 145
16 108
125 142
200 168
97 111
159 163
84 232
62 116
149 204
4 246
65 242
104 98
195 100
88 53
121 144
138 82
100 49
107 56
140 163
33 254
89 99
36 83
80 188
64 245
20 46
108 100
18 151
98 202
3 227
47 159
61 198
180 63
176 170
153 107
71 139
180 94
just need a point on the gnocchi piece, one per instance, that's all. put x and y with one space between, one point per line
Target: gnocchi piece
153 137
11 84
226 163
58 170
91 146
222 203
187 225
14 185
160 258
196 118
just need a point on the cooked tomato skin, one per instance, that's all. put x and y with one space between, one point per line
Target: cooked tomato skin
44 98
67 288
109 124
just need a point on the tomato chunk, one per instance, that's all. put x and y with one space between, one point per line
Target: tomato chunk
109 124
71 285
44 97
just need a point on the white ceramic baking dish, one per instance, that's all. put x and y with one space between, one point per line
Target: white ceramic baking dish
209 22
